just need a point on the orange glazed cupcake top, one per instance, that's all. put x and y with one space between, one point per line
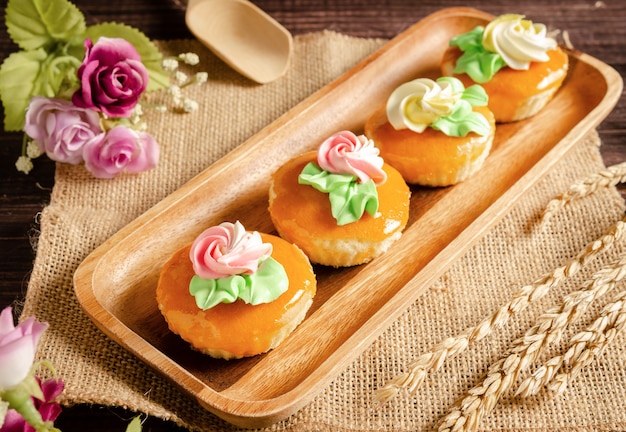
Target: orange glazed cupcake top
236 315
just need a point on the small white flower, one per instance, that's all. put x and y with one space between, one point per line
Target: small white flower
24 164
189 58
190 105
175 91
200 78
32 150
170 64
138 110
180 77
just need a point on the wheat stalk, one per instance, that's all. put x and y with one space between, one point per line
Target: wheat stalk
434 359
611 176
549 328
584 347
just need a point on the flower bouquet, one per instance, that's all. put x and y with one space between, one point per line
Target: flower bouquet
75 90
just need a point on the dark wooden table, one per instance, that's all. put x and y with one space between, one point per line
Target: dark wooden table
595 27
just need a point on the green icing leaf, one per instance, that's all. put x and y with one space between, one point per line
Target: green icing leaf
481 65
35 24
151 57
266 284
211 292
263 286
455 83
349 199
19 75
462 121
475 95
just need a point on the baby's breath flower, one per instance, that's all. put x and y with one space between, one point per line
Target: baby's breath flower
170 64
135 117
189 58
180 77
24 164
190 105
200 78
175 91
32 150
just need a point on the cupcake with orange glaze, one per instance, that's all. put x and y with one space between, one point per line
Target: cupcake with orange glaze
234 293
342 204
434 132
517 63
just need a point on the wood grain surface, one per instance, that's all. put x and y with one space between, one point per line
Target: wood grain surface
594 27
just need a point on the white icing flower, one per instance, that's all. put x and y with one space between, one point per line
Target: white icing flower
416 104
518 41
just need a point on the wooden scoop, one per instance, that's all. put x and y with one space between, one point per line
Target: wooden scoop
243 36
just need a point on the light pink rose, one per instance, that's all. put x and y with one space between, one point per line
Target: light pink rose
60 129
121 149
226 250
17 348
112 77
347 153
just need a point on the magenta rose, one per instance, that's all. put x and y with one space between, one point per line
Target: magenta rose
47 407
112 77
17 347
226 250
60 129
121 149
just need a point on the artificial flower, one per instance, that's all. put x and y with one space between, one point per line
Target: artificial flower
60 128
120 149
112 77
82 85
17 348
19 386
47 407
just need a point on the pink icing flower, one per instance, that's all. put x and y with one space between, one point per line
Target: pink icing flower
60 129
112 77
118 150
48 409
17 347
226 250
347 153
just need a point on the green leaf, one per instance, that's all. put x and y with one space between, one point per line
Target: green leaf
18 76
134 425
35 24
151 57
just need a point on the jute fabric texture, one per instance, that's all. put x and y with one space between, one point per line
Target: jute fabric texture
84 212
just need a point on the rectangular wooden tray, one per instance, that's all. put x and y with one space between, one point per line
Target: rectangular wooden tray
115 284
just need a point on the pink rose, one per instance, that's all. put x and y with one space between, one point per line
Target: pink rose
112 77
60 129
226 250
121 149
17 347
346 153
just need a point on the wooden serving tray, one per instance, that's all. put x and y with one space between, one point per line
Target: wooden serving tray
115 285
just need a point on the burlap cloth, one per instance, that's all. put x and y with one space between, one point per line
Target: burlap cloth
84 212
